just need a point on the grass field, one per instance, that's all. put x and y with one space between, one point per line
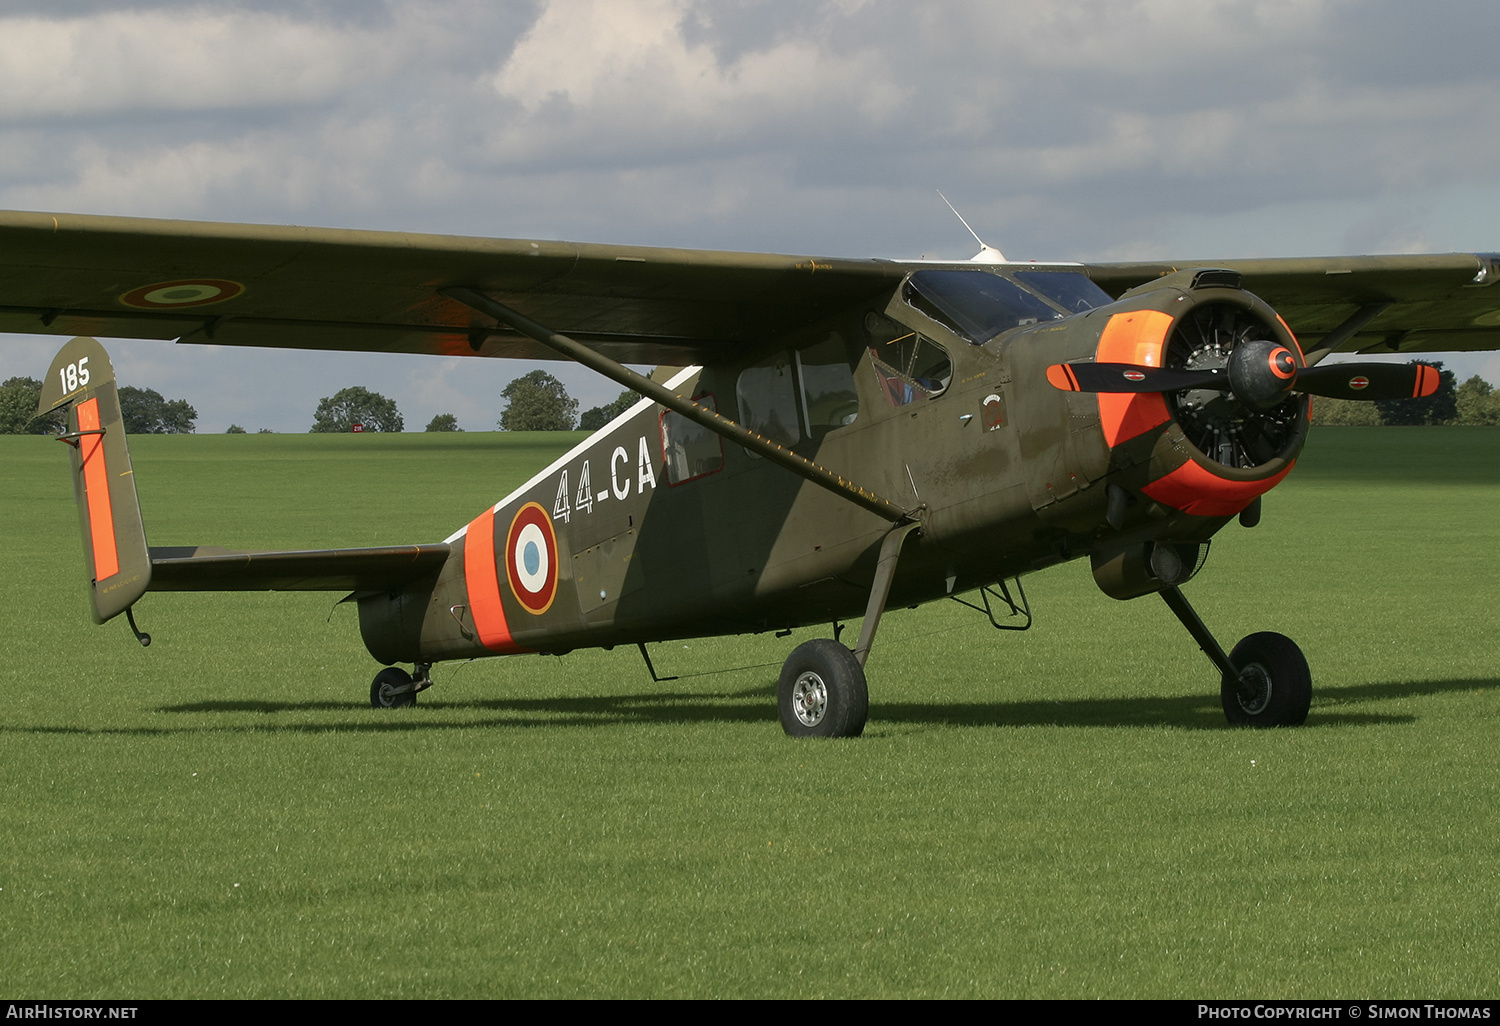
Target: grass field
1049 814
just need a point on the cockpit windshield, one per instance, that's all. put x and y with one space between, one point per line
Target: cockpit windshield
1071 290
976 304
979 305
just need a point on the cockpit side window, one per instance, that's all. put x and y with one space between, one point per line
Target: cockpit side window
908 365
976 305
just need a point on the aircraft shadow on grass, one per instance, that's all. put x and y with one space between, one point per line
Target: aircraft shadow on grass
1334 707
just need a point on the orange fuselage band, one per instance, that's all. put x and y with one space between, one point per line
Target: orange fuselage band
481 574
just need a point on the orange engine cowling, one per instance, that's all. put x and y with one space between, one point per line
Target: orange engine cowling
1176 462
1205 452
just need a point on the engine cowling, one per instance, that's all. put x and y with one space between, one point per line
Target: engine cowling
1175 463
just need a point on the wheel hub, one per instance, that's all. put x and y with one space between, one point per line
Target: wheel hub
809 699
1255 689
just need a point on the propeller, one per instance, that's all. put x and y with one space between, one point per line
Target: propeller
1259 374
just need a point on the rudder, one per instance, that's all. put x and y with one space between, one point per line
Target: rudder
114 539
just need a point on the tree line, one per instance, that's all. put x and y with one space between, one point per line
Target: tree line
533 402
145 411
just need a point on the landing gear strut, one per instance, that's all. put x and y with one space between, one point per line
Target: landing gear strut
394 688
822 690
1265 680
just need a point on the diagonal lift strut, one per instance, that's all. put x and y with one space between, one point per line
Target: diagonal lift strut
710 419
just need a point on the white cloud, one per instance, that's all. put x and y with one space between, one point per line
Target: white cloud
178 60
622 76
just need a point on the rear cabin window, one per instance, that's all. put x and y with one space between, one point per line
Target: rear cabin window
767 397
802 394
829 399
688 449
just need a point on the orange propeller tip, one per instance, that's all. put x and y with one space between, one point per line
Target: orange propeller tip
1061 376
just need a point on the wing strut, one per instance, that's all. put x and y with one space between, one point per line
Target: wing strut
1345 331
735 432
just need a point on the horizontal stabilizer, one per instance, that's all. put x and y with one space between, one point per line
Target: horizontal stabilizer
208 568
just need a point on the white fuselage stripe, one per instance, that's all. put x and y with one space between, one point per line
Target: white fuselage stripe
581 447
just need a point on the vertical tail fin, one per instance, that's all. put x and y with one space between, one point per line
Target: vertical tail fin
114 540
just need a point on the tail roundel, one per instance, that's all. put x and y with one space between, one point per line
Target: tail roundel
114 541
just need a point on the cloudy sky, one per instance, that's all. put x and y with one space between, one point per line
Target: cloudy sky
1086 129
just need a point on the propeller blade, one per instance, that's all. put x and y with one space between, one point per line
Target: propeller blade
1130 377
1369 381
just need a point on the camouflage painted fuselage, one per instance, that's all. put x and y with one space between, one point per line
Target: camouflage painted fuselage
649 531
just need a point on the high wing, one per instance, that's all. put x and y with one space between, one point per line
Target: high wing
1367 304
322 288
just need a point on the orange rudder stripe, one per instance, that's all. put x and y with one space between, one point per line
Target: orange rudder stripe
96 492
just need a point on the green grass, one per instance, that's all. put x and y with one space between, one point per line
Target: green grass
1049 814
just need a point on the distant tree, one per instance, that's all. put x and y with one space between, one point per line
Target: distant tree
234 429
178 418
146 412
443 422
18 402
1477 402
1439 408
265 431
1344 412
356 405
17 410
596 418
538 402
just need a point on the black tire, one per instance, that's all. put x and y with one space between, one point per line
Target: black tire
822 691
1276 670
386 682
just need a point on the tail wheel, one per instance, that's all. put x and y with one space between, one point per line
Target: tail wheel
392 689
822 691
1275 686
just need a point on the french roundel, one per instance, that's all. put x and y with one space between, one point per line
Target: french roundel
166 295
531 558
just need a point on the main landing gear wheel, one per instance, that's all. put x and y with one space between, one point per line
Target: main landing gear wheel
392 689
822 691
1275 686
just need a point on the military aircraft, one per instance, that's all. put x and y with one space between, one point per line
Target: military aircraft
822 437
